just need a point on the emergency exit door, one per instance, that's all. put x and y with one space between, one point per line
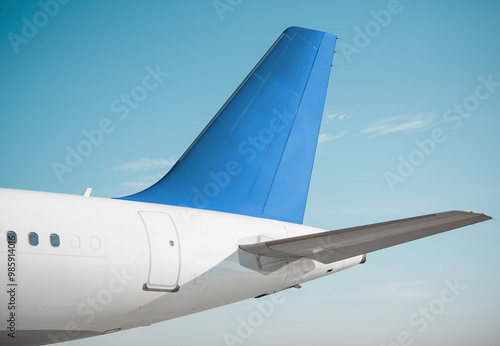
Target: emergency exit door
164 249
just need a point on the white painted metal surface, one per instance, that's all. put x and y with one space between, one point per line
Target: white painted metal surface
164 250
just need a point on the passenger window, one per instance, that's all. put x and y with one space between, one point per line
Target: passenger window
54 240
11 237
95 242
33 238
75 241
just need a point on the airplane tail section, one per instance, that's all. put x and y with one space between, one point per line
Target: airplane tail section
256 155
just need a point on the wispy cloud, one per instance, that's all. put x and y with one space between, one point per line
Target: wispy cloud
325 137
401 123
141 183
336 116
143 165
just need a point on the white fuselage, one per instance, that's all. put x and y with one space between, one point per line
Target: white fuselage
123 264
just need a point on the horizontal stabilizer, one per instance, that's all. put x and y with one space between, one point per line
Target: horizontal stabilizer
332 246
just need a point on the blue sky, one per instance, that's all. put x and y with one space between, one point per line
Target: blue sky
414 94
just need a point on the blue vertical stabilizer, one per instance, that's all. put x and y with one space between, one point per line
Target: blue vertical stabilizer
256 155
